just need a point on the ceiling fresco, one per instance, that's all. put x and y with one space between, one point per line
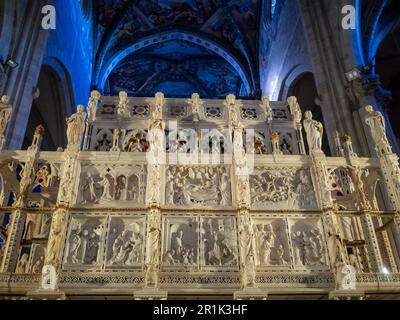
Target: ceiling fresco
232 25
174 67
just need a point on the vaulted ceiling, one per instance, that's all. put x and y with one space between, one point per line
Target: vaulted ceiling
177 46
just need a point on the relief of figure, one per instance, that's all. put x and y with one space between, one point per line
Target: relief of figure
188 186
92 105
125 249
377 125
76 127
75 245
120 187
299 248
38 265
22 264
5 114
105 183
122 108
92 249
314 131
90 189
84 235
280 252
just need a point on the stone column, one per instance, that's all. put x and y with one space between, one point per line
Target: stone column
156 161
58 230
334 238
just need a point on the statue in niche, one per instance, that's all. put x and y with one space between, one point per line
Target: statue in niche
92 249
5 114
76 127
314 131
22 264
54 243
122 108
38 265
94 99
259 145
89 187
156 138
377 125
295 109
105 184
84 236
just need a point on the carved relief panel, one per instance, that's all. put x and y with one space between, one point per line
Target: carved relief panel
282 188
180 243
84 247
198 186
105 242
218 238
272 249
117 184
308 244
125 242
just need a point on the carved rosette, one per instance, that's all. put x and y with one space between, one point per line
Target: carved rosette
153 249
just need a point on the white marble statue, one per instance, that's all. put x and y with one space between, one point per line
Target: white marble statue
22 265
76 127
266 107
295 109
122 108
376 123
314 131
93 103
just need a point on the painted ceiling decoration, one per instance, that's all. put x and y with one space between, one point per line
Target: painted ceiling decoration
208 46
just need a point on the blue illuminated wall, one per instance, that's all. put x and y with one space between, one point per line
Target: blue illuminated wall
70 47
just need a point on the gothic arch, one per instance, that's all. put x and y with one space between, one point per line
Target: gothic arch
291 78
102 72
305 89
53 103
